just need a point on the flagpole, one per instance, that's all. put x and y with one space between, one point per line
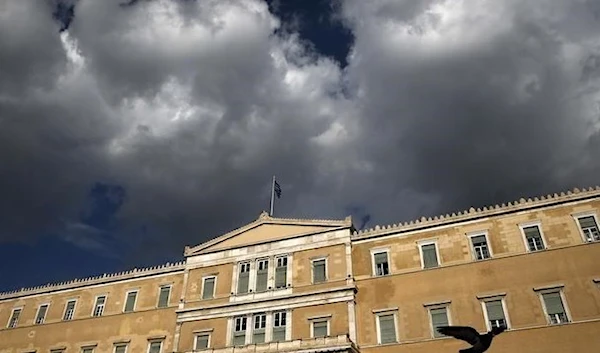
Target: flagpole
272 195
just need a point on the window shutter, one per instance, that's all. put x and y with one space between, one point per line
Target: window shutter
130 301
209 288
587 222
553 303
532 232
438 318
320 328
319 271
387 328
201 341
163 299
479 240
495 310
154 347
280 276
429 256
278 334
261 279
120 349
243 282
380 258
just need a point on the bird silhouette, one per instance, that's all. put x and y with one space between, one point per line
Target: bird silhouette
480 343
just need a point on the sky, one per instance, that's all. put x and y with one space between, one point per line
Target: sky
129 129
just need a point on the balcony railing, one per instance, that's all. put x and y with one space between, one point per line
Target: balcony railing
322 344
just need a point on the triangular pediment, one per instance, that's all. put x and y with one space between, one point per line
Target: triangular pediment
266 229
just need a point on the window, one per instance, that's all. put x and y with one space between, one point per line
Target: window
554 307
69 310
429 255
320 328
130 298
281 272
262 274
494 313
319 269
14 318
533 238
202 341
439 317
381 266
208 287
154 346
260 323
57 350
87 349
279 323
386 328
243 277
120 348
163 296
589 228
99 306
480 247
41 314
239 331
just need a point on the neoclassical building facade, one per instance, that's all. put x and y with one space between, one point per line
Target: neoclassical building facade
299 285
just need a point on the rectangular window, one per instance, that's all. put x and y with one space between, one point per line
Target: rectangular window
319 271
480 247
202 341
208 287
99 306
14 318
163 296
320 328
279 323
260 323
69 310
41 314
589 228
154 346
554 307
495 313
87 349
262 273
130 298
243 277
281 272
533 237
58 350
239 331
429 256
439 317
120 348
382 266
387 328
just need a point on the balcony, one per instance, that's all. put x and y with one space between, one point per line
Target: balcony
340 343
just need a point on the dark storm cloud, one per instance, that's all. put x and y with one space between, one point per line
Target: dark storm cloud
188 109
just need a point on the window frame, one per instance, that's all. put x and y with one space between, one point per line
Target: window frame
137 292
65 309
286 327
202 333
96 303
37 313
150 341
214 291
83 348
243 317
255 330
434 306
549 290
312 269
288 259
376 251
12 313
254 273
537 223
472 235
492 298
326 318
577 216
420 245
384 312
119 344
160 287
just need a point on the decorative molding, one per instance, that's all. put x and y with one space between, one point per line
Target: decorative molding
491 296
549 287
102 279
473 213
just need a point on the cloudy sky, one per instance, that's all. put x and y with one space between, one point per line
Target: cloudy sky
129 129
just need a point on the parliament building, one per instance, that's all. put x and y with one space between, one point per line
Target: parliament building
306 285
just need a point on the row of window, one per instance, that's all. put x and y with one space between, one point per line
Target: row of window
532 237
494 311
154 346
164 293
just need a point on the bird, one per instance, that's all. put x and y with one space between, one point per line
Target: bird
480 343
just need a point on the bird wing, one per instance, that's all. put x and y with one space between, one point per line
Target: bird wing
464 333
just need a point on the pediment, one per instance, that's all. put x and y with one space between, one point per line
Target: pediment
266 229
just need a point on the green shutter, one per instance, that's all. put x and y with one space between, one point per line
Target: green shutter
209 288
381 258
587 222
201 341
553 303
120 349
495 310
320 328
261 279
163 299
480 239
532 232
239 339
438 318
387 328
429 256
281 277
130 302
319 271
278 334
154 347
243 282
